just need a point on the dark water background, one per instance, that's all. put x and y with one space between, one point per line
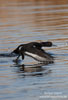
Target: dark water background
23 21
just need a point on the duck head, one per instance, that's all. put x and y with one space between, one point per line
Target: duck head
47 44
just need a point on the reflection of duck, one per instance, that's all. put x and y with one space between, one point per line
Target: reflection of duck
33 70
34 50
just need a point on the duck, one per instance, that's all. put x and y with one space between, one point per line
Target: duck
34 50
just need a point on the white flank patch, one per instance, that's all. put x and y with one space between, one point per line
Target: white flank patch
35 56
30 54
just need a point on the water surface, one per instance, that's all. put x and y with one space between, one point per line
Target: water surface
31 20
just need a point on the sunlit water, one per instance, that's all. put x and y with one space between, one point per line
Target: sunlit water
23 22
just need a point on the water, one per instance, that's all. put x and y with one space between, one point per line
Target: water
25 21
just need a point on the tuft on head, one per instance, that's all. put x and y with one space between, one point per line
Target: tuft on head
19 50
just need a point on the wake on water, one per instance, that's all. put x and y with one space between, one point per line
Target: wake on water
8 55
